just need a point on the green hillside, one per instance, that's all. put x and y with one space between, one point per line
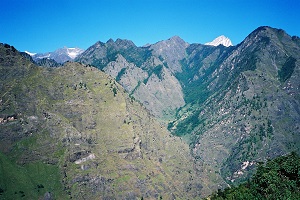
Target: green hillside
277 179
73 131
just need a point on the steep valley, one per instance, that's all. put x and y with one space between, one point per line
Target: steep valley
145 72
249 112
168 120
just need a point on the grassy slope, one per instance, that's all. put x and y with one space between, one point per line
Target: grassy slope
69 113
29 181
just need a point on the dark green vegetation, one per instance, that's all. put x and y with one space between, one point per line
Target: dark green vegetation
287 69
277 179
157 71
121 73
197 67
29 181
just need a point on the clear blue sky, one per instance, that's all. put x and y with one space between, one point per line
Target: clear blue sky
45 25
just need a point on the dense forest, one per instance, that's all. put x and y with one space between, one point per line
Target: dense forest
276 179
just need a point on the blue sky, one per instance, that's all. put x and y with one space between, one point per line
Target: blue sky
44 25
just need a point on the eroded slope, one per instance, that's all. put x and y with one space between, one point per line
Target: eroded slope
103 143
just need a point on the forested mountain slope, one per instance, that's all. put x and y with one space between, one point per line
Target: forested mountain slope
242 103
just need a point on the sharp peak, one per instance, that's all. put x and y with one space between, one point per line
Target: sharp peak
265 32
222 36
265 35
175 38
120 41
266 29
110 41
263 28
99 43
220 40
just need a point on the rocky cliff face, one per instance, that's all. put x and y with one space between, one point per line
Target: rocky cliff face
146 76
78 129
171 51
236 104
249 112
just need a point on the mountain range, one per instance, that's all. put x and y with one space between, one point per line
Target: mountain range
65 54
233 105
61 55
170 119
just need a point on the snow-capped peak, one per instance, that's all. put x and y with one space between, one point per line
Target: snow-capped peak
74 52
60 55
225 41
29 53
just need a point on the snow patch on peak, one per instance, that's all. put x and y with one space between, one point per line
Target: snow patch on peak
74 52
60 55
223 40
29 53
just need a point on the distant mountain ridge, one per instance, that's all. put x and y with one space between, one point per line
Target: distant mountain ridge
60 55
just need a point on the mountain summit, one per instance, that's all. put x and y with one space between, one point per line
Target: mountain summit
223 40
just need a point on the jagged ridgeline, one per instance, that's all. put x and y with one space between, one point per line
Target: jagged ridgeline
74 132
235 105
242 103
232 106
146 73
